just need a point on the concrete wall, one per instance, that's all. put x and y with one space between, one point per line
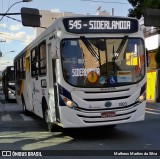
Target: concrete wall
48 18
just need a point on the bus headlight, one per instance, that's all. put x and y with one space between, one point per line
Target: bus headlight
11 92
142 97
69 103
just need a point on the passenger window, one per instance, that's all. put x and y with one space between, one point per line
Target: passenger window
18 70
42 59
34 63
23 68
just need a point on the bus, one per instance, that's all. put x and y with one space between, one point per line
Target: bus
84 71
8 84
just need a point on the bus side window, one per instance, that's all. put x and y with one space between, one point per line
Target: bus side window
23 68
15 68
18 70
42 59
34 62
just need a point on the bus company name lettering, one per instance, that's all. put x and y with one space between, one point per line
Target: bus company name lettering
100 24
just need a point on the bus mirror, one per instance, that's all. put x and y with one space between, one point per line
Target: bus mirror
30 17
151 17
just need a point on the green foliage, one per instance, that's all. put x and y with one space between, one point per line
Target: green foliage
139 7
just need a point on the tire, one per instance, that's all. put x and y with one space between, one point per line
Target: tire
50 126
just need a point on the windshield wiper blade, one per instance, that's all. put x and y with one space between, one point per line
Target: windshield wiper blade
90 48
121 46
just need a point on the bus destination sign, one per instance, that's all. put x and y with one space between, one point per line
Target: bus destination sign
112 25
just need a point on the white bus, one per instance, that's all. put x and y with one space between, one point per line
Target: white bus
84 72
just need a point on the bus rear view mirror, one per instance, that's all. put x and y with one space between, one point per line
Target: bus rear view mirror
152 17
30 17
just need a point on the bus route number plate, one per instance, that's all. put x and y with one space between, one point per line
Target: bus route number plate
108 114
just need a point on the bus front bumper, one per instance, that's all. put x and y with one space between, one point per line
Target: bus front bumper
71 118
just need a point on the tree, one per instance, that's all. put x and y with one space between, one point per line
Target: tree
139 7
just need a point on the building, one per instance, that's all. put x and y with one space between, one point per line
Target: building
48 18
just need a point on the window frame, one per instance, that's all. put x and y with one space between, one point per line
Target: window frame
41 59
34 61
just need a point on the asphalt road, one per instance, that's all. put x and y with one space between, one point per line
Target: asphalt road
28 133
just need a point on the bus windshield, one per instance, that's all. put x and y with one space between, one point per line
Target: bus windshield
10 76
102 62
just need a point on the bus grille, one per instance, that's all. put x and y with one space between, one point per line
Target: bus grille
105 99
99 119
95 116
106 120
109 109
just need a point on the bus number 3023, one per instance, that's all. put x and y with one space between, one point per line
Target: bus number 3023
123 104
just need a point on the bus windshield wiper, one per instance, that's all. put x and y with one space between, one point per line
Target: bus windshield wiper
113 59
117 53
90 48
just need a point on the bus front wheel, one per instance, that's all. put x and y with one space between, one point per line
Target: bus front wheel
51 126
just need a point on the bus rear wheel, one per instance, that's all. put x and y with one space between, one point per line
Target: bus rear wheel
25 111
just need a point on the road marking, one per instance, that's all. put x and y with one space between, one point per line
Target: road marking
6 118
26 118
150 109
150 112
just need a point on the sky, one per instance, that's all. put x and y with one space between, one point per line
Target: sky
14 37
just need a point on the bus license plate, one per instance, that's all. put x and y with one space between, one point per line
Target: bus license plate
108 114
